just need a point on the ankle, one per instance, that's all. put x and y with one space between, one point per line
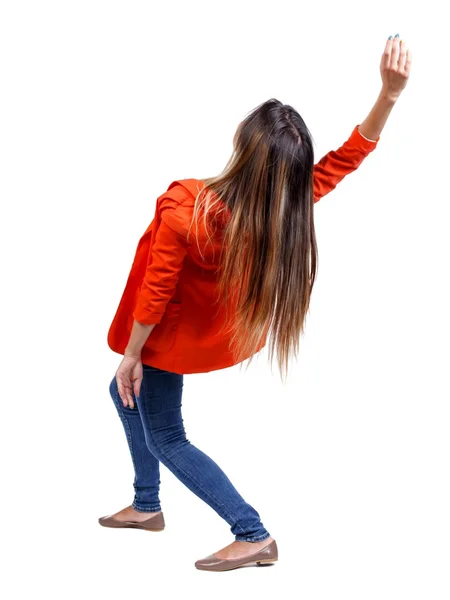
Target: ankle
140 511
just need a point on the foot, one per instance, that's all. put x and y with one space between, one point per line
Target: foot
135 516
238 550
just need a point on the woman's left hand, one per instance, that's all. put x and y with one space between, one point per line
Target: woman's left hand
129 377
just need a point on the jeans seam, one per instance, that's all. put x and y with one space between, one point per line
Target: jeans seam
249 538
138 507
127 428
128 434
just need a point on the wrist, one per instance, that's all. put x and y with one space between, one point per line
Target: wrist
130 353
389 96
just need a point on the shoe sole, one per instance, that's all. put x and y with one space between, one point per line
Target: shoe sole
255 563
129 527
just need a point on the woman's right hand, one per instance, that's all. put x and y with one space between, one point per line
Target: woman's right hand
395 67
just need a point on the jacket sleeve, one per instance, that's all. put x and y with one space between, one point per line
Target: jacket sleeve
165 262
335 165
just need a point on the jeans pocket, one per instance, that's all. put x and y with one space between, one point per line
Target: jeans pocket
162 337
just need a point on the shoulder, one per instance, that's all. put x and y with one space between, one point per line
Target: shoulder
176 205
184 191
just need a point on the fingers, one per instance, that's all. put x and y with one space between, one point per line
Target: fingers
408 61
120 389
402 56
137 386
129 376
386 58
396 56
395 52
128 393
130 398
124 388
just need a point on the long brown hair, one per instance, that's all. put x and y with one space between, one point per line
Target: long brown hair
268 260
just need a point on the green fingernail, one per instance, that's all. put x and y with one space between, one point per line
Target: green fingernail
390 37
397 35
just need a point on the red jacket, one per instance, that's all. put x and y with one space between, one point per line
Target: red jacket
170 285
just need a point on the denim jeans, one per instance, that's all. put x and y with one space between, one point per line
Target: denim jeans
155 433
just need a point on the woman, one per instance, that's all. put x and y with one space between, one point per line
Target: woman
225 260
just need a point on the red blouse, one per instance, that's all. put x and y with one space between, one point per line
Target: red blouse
170 284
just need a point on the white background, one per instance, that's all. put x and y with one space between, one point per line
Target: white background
103 105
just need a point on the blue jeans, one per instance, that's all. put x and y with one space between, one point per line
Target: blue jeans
155 433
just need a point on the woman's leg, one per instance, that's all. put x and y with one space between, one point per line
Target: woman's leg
159 403
146 465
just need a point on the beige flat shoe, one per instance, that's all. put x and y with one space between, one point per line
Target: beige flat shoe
266 555
155 523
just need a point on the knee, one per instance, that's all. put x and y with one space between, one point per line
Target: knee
164 444
155 445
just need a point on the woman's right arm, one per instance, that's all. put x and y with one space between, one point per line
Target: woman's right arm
395 68
336 164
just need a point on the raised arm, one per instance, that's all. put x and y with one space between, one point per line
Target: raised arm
333 167
336 164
